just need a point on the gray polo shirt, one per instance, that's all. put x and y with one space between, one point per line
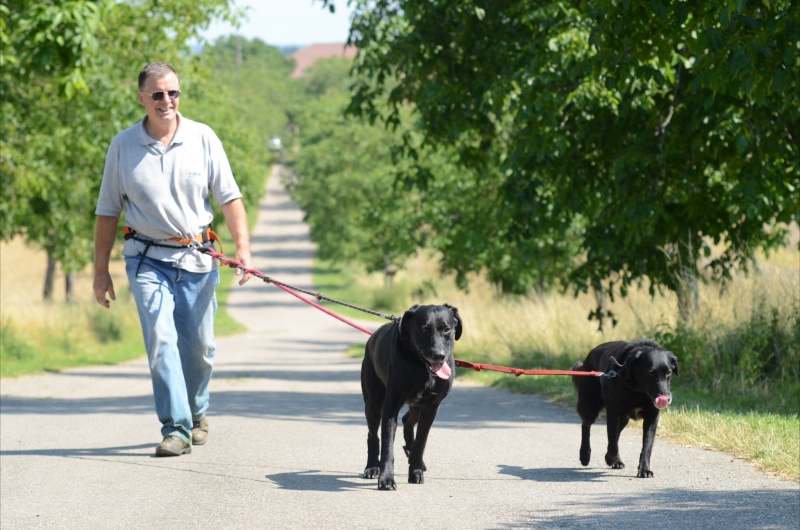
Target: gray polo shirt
166 192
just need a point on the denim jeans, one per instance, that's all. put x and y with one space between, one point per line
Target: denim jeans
176 311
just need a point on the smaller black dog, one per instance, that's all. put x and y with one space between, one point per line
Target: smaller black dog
410 361
640 390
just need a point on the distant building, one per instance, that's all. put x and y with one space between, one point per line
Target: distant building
306 57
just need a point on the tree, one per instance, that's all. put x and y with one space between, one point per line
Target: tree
246 104
353 206
648 131
68 86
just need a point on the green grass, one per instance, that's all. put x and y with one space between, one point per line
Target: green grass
77 337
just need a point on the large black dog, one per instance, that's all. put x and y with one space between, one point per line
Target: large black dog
640 390
410 361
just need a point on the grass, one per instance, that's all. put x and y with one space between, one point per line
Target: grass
38 336
739 388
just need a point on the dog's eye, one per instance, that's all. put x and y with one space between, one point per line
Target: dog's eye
446 329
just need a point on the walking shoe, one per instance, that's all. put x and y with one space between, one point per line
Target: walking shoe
173 446
200 431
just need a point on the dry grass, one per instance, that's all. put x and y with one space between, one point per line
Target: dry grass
52 335
22 274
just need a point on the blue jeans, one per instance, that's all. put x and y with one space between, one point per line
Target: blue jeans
176 311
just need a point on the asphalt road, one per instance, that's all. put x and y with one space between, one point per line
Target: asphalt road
288 442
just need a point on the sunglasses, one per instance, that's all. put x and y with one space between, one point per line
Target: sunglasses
158 96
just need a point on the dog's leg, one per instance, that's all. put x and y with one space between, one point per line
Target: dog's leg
416 466
648 438
614 427
388 427
373 415
410 420
374 394
590 404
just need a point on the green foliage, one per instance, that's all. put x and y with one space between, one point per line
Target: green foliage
68 85
641 133
105 325
13 347
367 203
762 347
243 91
354 208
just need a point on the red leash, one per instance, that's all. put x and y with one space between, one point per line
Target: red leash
519 371
463 364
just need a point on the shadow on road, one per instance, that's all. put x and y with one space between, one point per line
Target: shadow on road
669 509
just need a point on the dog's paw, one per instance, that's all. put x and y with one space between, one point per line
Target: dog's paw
386 483
586 456
416 476
644 473
614 462
372 472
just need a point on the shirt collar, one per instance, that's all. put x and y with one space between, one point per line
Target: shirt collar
146 139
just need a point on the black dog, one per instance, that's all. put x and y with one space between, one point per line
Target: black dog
640 390
411 362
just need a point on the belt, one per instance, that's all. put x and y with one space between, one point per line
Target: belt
203 237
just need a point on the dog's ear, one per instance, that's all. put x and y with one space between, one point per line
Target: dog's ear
627 370
457 320
405 323
673 361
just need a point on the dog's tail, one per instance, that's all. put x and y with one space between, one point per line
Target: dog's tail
577 367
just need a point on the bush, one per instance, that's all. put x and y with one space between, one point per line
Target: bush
12 346
765 346
105 325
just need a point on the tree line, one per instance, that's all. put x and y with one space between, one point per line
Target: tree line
68 84
586 145
597 145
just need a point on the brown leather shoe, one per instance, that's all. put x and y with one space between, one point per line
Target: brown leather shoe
200 431
173 446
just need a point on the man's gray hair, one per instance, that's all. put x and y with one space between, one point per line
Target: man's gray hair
157 69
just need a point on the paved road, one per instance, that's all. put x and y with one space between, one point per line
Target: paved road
288 442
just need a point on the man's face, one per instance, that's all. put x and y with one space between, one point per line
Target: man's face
163 111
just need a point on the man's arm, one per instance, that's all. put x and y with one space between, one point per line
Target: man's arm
236 219
105 233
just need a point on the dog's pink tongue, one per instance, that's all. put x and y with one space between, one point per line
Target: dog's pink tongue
442 370
662 402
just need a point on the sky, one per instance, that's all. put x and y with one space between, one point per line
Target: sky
288 22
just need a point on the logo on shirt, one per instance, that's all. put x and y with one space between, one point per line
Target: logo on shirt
194 174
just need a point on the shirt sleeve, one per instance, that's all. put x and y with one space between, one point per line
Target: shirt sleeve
111 199
222 184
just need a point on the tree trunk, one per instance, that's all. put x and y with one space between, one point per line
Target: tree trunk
69 284
388 273
688 301
49 276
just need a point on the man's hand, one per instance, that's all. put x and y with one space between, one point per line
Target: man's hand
246 260
102 285
104 235
236 219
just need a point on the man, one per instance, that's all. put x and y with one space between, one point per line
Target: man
162 172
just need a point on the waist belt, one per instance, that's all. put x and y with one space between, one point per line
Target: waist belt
203 237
